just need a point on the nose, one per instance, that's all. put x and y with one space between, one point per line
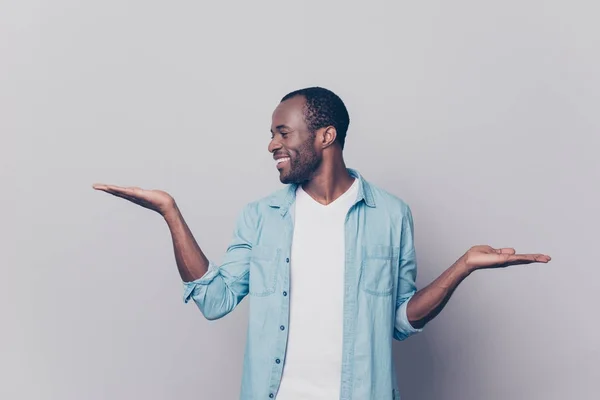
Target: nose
274 145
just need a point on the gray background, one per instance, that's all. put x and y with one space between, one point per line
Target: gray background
483 116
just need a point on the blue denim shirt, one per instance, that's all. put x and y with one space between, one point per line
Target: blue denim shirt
380 272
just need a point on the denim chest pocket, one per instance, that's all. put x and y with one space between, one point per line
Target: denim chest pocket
378 269
263 270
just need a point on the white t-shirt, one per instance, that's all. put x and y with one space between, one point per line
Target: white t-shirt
313 362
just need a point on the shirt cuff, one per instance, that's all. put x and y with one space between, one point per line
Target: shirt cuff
190 289
402 323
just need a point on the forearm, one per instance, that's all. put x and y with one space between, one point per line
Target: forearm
191 261
427 303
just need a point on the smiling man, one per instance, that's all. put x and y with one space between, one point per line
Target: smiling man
328 263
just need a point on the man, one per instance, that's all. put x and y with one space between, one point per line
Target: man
328 263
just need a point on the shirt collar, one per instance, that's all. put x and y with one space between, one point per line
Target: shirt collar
283 199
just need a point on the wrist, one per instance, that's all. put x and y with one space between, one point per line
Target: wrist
462 268
171 212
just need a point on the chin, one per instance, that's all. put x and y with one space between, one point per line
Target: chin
284 180
284 176
287 177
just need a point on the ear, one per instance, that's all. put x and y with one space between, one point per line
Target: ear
327 136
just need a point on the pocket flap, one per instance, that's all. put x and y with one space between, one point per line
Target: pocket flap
381 251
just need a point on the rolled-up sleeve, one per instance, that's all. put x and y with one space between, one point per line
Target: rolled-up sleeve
407 275
224 286
191 289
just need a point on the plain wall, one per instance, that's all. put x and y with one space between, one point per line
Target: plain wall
482 116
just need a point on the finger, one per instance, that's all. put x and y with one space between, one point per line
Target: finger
124 190
528 258
135 190
120 189
521 262
111 189
125 196
505 250
99 186
105 187
130 190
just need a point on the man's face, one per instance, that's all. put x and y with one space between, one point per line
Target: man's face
292 144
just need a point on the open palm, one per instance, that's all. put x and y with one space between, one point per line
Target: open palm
156 200
480 257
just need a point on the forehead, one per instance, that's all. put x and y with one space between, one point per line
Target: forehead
290 113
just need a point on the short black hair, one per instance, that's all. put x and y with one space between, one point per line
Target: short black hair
323 108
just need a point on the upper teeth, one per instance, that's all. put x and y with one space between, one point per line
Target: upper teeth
280 160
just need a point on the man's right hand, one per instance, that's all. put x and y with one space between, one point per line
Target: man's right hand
157 200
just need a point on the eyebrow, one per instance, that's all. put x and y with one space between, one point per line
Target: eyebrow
280 127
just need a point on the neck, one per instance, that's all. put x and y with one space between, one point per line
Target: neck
330 181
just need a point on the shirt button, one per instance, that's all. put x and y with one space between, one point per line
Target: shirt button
282 327
285 293
278 361
271 395
287 260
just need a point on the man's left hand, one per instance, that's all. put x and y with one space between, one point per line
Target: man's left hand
483 257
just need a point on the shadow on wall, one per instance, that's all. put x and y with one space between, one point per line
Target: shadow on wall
415 367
